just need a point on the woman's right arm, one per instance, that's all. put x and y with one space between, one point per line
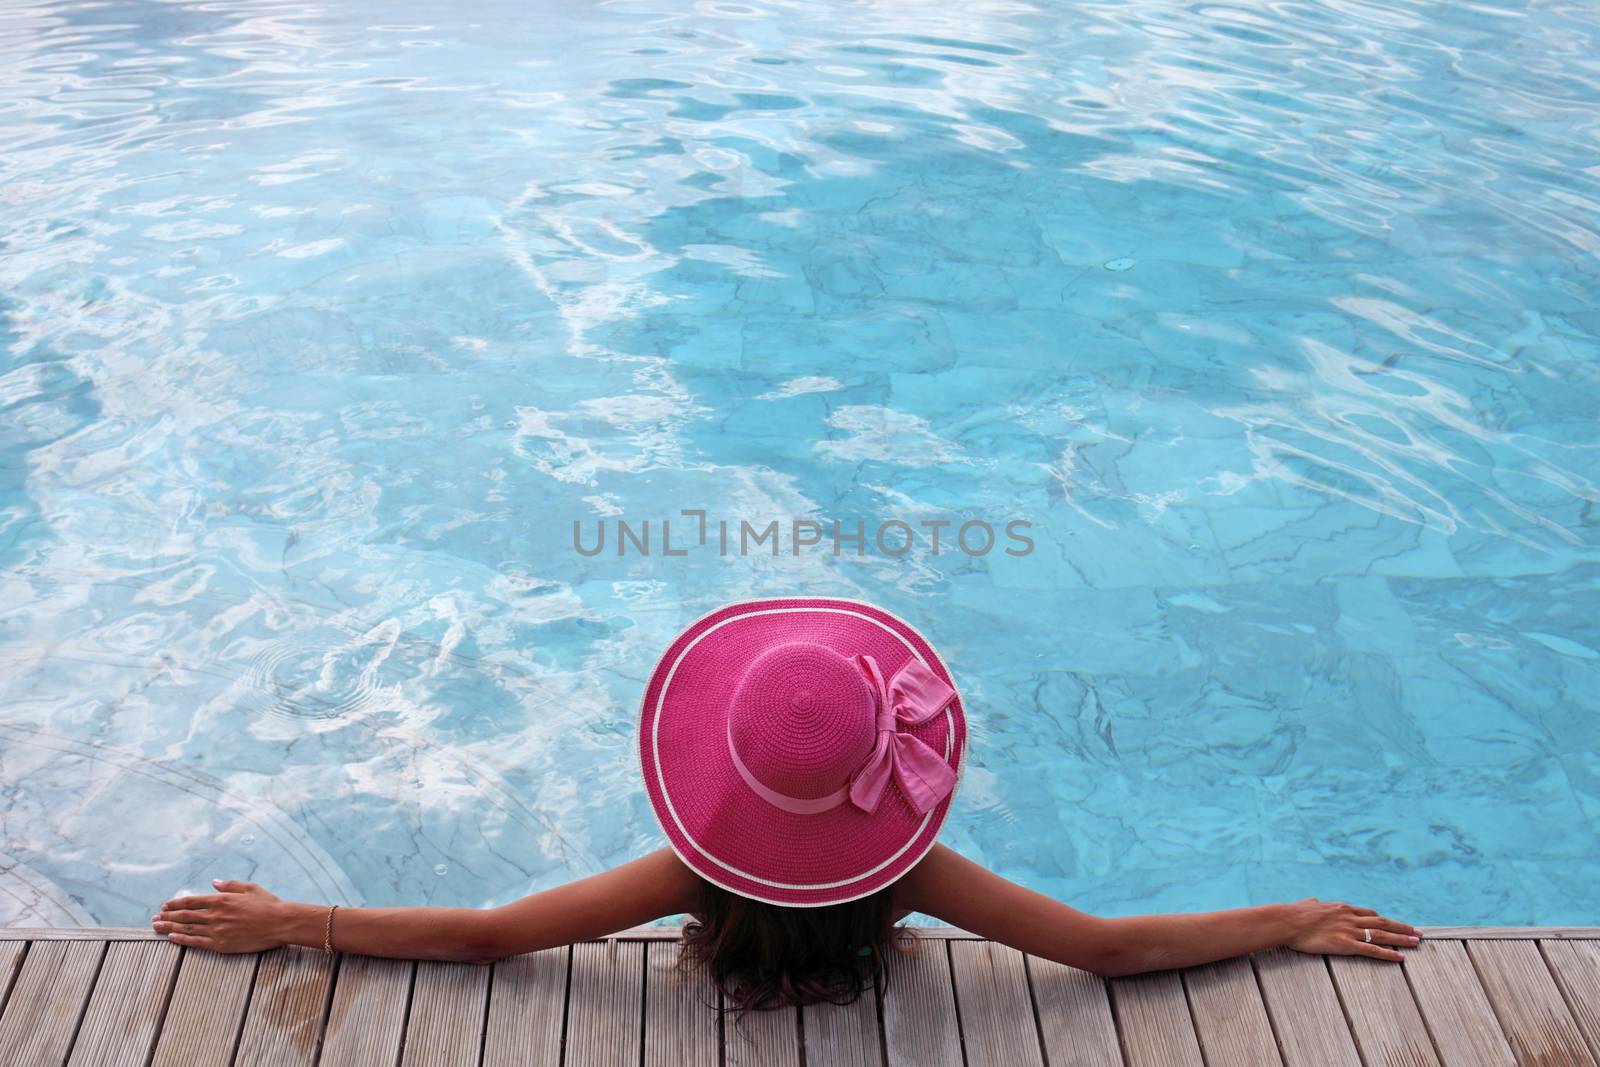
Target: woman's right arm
957 891
242 917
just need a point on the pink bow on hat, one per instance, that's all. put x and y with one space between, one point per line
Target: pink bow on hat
913 696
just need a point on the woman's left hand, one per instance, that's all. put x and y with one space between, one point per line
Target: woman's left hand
1339 929
240 917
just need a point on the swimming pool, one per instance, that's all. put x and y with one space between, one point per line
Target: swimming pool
1272 326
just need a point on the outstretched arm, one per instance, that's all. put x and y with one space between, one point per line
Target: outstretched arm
242 917
954 889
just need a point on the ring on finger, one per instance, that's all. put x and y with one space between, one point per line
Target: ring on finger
1366 934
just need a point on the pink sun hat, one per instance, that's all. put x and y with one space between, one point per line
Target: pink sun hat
801 750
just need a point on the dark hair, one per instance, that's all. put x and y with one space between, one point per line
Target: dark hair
766 956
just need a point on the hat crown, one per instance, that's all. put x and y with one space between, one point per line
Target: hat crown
803 719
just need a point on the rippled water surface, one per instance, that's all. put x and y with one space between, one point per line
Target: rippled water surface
322 325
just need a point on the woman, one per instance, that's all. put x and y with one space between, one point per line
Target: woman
801 755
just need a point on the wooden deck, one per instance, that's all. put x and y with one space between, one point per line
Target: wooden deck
1467 996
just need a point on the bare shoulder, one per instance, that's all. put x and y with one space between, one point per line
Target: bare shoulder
674 884
949 887
917 889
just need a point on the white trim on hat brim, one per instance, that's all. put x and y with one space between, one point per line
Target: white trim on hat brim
667 798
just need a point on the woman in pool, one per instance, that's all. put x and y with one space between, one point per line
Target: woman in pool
801 755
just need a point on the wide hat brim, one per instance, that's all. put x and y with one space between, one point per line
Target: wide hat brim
716 823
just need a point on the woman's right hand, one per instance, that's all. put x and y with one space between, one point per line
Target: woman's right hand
240 917
1335 929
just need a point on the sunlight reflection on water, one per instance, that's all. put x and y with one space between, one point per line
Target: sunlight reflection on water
322 326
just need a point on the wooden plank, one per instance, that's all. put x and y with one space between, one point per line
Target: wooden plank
1154 1019
47 1001
119 1026
648 932
79 933
945 933
1528 1004
919 1006
991 987
1452 1002
1545 996
762 1038
283 1022
1304 1009
1380 1011
11 954
1513 933
367 1018
604 1009
207 1009
680 1011
1230 1018
1576 966
527 1007
448 1002
668 932
1075 1017
843 1035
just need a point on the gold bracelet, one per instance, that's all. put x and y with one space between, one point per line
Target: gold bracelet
327 935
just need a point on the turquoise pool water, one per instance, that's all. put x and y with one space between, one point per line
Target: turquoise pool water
1276 324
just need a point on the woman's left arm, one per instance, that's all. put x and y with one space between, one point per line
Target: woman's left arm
242 917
